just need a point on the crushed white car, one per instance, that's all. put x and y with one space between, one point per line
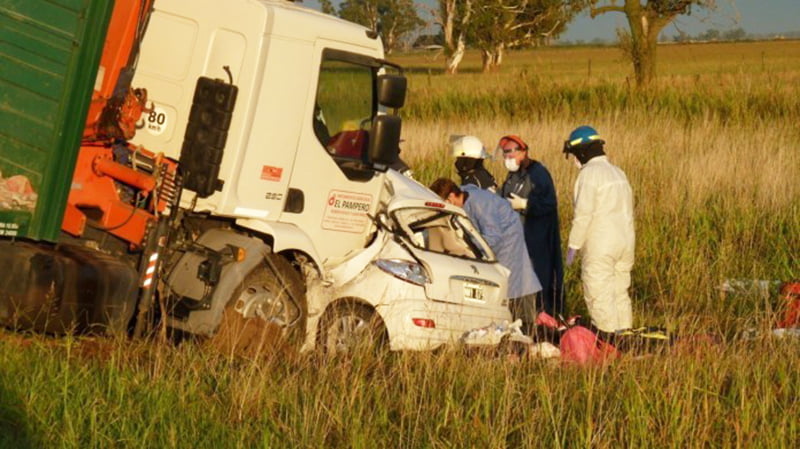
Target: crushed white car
425 280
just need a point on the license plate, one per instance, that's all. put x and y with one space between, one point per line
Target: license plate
473 291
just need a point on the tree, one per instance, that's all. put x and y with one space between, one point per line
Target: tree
397 18
646 19
498 25
711 34
453 17
736 34
327 7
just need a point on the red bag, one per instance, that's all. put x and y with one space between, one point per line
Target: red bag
790 305
577 343
580 345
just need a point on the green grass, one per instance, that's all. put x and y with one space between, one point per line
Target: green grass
712 155
739 395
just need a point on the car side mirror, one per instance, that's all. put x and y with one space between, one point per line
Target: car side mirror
392 90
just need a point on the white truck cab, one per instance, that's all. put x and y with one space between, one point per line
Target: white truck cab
293 68
281 118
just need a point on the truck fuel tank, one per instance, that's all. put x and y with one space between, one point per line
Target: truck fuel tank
64 288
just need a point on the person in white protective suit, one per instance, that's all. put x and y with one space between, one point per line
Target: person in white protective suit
602 231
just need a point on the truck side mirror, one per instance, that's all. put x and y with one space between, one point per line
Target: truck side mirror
391 90
384 140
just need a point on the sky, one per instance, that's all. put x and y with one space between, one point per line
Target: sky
754 16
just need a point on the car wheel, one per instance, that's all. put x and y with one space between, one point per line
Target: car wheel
348 328
267 312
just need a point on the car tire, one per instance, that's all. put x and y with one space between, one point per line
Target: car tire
348 327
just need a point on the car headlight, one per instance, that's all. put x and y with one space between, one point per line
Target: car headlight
403 269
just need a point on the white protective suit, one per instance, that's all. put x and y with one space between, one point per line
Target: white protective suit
603 231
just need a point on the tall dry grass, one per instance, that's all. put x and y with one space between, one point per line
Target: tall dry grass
713 202
711 152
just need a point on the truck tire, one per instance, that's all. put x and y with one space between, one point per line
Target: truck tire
347 328
266 313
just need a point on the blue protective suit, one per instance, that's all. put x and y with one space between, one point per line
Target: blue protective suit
542 235
500 227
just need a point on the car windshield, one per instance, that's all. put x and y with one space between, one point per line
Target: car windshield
443 232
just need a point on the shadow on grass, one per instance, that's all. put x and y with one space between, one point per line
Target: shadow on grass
14 426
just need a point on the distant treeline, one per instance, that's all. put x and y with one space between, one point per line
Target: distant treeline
710 35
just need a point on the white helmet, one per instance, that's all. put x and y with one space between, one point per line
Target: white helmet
468 146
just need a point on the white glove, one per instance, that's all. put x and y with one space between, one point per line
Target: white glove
518 202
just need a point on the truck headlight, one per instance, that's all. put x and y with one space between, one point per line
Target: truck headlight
403 269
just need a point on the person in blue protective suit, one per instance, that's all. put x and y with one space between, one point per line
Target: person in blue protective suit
500 227
602 231
530 190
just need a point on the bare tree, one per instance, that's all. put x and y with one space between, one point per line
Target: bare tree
498 25
454 17
646 19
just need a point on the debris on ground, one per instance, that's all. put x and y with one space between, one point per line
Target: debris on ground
580 342
754 287
786 307
494 334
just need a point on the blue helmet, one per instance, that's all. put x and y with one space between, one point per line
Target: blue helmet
584 143
583 134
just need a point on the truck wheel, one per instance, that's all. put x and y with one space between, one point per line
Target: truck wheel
347 328
267 313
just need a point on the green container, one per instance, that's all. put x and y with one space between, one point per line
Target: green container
49 55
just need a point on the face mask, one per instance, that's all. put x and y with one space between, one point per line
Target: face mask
511 164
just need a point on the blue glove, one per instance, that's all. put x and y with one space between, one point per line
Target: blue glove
571 256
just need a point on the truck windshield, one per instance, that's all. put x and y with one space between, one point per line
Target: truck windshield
344 107
443 232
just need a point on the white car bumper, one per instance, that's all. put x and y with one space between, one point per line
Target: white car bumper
422 324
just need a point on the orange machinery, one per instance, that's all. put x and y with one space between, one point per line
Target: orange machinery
116 187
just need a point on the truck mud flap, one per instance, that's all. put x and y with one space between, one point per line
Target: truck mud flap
64 289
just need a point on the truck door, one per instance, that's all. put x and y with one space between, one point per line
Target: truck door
331 172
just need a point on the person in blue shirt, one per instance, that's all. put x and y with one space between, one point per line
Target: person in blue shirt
501 228
530 190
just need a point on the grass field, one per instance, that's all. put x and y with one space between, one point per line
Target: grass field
712 155
741 82
715 184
